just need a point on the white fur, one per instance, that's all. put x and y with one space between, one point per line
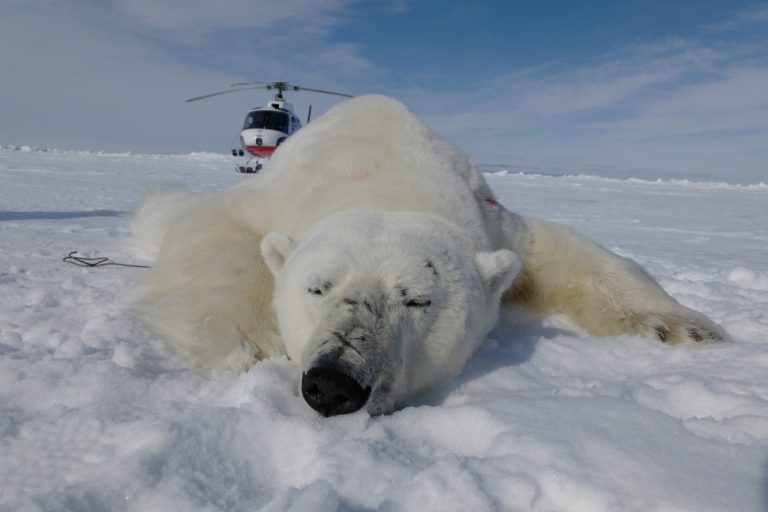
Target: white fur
152 220
360 205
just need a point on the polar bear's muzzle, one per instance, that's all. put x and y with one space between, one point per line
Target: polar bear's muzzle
336 378
331 392
349 366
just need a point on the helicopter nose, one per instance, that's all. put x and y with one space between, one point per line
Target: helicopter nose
331 392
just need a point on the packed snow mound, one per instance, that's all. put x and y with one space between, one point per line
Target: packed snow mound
93 416
660 181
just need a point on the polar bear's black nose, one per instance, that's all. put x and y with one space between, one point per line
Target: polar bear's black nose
332 392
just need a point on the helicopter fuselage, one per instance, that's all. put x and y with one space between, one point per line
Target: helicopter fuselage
265 128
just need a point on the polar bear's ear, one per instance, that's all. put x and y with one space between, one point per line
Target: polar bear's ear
498 269
275 249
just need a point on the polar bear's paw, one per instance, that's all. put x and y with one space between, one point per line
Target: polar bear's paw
683 326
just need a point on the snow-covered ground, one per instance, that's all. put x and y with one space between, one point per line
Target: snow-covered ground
95 417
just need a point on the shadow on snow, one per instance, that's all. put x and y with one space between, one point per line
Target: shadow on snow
15 216
512 342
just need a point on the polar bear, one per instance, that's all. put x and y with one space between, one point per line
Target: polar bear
374 255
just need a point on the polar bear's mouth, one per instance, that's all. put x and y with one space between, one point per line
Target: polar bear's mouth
331 392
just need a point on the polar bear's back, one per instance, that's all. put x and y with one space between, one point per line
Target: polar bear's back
369 152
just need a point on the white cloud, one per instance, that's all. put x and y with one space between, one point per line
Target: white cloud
749 17
208 16
673 106
114 76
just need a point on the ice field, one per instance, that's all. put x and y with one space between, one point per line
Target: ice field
95 416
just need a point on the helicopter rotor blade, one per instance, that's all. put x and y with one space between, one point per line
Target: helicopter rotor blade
249 82
204 96
300 88
254 84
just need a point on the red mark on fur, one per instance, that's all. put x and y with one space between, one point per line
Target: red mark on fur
491 200
364 174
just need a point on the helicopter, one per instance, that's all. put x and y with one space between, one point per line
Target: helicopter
265 128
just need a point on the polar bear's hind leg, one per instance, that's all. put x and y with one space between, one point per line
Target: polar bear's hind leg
601 292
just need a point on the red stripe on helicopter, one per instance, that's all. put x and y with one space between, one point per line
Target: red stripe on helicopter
260 150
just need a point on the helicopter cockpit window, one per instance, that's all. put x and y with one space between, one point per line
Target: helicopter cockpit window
267 119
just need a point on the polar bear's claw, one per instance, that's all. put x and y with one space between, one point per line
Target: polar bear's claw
684 329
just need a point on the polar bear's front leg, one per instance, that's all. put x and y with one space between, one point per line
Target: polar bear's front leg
209 292
600 291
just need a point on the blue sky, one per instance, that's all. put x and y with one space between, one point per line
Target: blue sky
647 88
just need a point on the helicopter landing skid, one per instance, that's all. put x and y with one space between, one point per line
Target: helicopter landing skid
249 169
252 165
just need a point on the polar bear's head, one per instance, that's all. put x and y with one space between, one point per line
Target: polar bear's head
377 306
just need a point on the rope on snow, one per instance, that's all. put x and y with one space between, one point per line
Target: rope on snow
96 262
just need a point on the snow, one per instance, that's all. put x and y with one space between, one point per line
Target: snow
95 416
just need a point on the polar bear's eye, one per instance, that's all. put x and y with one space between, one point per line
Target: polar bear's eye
321 289
418 303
